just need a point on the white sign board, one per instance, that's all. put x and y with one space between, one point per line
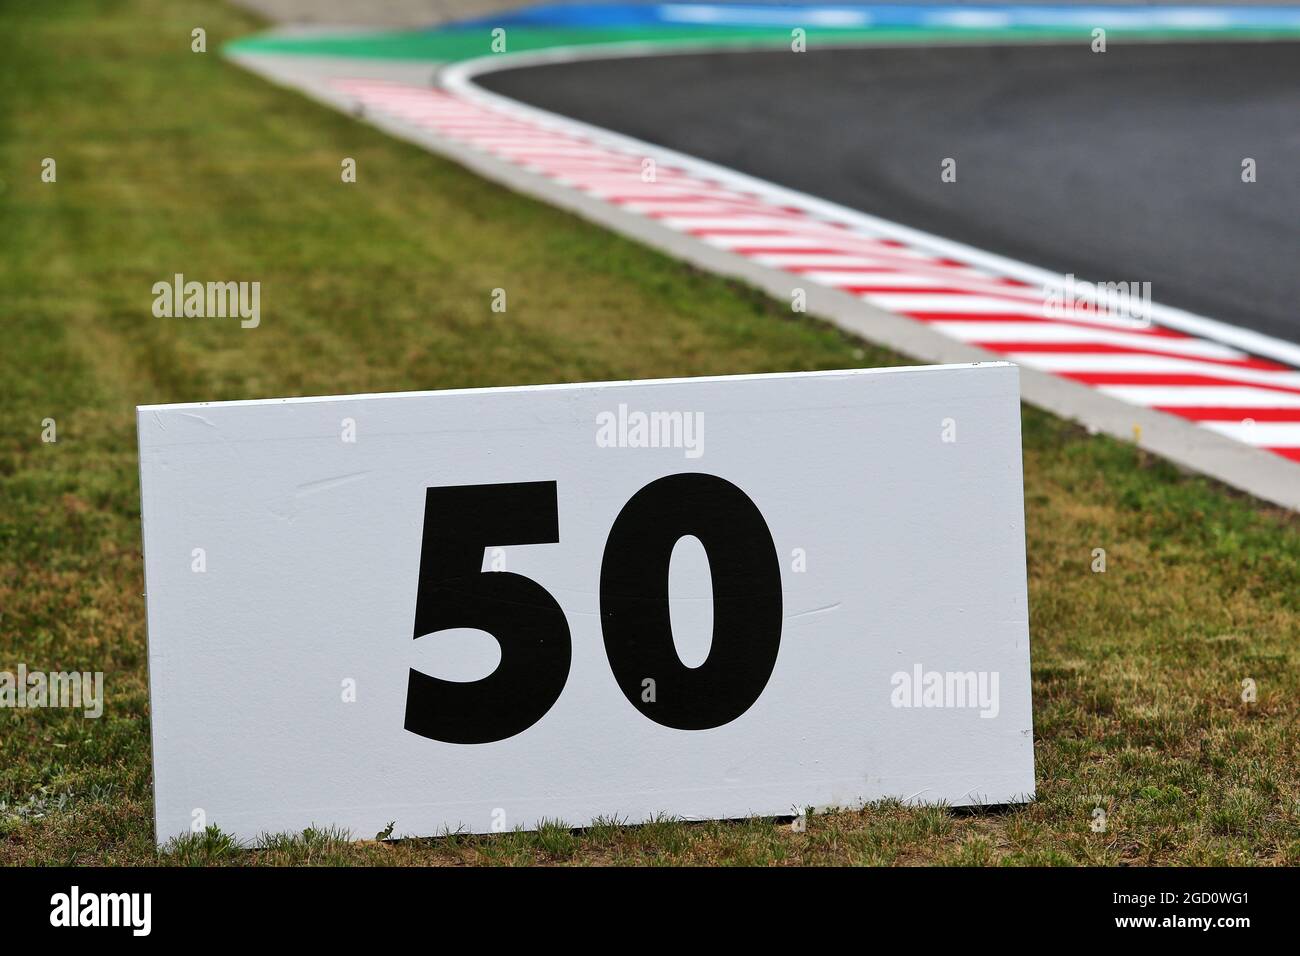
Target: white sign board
479 609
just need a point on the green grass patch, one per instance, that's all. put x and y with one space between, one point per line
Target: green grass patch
171 161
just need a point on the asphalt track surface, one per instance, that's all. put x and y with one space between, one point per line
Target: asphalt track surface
1116 166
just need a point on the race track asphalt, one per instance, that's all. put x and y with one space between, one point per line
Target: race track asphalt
1116 166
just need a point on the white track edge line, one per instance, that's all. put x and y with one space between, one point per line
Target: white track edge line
459 78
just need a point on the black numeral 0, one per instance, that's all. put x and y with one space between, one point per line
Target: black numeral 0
634 611
459 523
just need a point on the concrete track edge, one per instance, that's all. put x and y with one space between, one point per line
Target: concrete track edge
1260 473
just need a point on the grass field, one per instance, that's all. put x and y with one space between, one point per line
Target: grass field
170 161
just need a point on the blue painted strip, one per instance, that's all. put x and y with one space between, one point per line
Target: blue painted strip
865 16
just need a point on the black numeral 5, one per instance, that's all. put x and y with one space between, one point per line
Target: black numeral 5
459 523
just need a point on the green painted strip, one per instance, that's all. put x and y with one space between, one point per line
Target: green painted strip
453 45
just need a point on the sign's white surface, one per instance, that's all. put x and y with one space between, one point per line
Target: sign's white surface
483 608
